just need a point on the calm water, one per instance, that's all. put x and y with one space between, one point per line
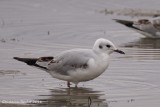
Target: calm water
40 28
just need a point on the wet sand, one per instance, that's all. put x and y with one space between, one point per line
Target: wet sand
33 28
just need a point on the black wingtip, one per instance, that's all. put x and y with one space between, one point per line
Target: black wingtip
19 59
16 58
29 61
124 22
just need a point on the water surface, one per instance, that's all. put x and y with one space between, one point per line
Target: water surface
43 28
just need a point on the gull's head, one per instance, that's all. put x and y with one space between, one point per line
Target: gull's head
105 46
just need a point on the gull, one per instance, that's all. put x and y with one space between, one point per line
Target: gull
148 27
76 65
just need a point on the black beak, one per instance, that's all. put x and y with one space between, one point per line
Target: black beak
119 51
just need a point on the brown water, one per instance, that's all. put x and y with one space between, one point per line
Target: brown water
38 28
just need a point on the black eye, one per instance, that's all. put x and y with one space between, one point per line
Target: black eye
108 46
100 47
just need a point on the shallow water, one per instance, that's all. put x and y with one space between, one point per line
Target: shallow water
38 28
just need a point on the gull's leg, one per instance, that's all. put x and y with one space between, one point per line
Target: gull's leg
68 84
76 85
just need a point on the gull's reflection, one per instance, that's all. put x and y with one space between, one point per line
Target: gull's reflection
71 97
143 49
144 43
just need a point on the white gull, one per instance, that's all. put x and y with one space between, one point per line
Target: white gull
76 65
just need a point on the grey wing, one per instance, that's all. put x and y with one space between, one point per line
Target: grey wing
69 61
